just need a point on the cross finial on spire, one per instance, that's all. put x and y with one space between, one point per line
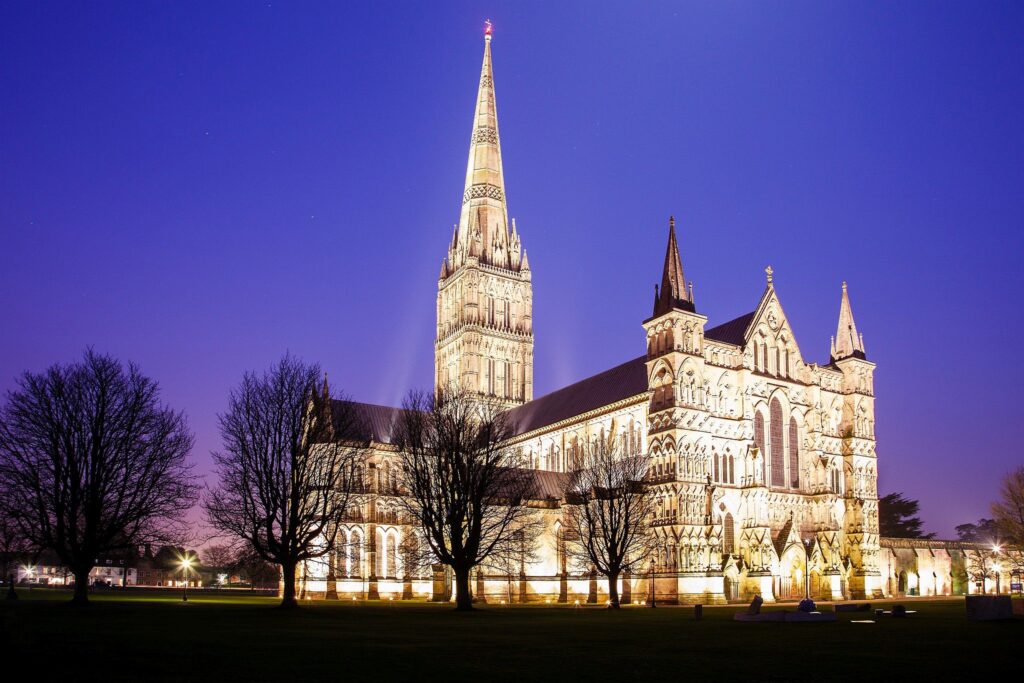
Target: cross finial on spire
768 271
488 29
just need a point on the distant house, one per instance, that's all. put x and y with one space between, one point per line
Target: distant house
47 570
164 568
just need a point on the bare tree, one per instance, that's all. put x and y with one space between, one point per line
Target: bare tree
92 462
286 471
982 564
466 489
218 556
254 568
608 513
1009 509
13 546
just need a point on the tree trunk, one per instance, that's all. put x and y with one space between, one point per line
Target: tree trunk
288 591
613 590
463 596
81 595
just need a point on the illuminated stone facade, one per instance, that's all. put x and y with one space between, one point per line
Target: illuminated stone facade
763 462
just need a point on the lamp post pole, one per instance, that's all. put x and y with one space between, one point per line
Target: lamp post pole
807 569
651 577
186 563
996 568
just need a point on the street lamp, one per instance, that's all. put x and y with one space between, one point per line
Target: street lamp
186 564
807 569
995 566
651 576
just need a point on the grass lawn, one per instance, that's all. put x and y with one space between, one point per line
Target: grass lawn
156 637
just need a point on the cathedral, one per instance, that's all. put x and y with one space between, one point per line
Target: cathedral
763 463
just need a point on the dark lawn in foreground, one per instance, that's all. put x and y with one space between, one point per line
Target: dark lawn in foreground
157 637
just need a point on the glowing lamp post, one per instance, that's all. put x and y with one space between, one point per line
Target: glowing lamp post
186 564
996 568
807 569
651 575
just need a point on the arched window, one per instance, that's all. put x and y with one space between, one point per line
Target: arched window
794 454
715 458
728 535
343 555
732 469
356 553
759 438
392 554
778 456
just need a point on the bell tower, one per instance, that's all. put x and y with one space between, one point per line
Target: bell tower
484 341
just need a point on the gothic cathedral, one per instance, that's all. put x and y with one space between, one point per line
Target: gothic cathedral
762 462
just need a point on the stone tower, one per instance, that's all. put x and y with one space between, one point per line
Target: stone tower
484 339
679 474
858 450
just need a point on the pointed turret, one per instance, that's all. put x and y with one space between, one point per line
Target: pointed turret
483 229
325 407
673 292
847 341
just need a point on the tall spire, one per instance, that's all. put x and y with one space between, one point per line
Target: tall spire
673 292
847 342
484 342
483 229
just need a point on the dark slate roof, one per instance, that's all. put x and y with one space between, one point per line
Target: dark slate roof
551 484
373 422
731 332
604 388
621 382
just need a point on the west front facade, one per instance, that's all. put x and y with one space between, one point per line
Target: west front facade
763 462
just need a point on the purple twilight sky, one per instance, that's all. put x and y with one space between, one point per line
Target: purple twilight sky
200 186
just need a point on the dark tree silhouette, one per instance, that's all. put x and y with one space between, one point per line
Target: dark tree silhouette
287 467
92 463
254 569
466 489
608 513
1009 509
983 531
13 546
218 556
897 517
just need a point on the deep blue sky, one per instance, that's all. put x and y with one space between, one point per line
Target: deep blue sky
200 186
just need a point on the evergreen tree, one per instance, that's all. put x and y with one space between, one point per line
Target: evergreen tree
984 531
897 517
